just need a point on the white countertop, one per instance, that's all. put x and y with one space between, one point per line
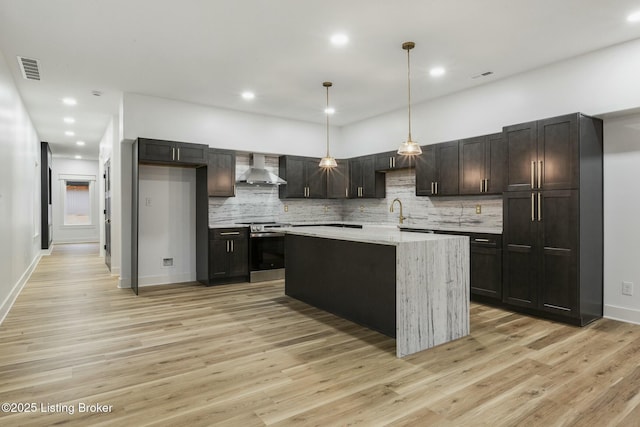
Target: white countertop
382 235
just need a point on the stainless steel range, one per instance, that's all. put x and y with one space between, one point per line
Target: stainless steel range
266 251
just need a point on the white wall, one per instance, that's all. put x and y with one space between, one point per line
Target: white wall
64 168
621 224
19 192
596 83
160 118
167 229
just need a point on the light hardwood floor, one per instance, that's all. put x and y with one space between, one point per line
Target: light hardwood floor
246 355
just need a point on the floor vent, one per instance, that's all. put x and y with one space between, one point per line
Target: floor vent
30 68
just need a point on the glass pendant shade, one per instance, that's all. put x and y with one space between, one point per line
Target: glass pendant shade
327 161
409 147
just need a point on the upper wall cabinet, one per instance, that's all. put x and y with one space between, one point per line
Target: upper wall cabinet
305 179
482 164
221 173
171 152
543 155
338 181
391 160
365 182
437 170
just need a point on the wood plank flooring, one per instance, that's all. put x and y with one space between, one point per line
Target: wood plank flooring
246 355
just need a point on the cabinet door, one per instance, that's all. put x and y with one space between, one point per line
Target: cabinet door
486 271
239 257
426 171
520 141
447 168
154 150
558 153
293 171
496 164
221 173
355 177
338 181
403 162
558 230
520 259
472 165
385 161
187 153
218 258
316 179
369 182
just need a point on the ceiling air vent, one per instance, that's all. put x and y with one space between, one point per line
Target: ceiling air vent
30 68
485 74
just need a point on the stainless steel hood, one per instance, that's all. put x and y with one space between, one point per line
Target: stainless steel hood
258 174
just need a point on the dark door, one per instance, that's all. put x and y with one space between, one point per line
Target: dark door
472 165
520 141
239 257
219 258
447 168
316 179
338 180
355 180
557 166
221 173
496 164
191 153
369 176
295 176
107 214
558 230
486 271
520 249
157 150
426 171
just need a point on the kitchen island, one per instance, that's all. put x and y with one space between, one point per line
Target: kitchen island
410 286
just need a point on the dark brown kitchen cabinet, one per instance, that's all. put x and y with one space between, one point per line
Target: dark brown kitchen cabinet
543 155
157 151
553 244
228 255
338 181
486 265
391 160
364 181
437 171
482 164
221 173
46 219
305 179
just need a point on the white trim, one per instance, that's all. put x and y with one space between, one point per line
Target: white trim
17 288
157 280
622 314
76 240
46 252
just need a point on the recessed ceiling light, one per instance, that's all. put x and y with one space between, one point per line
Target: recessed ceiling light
634 17
248 95
329 110
339 39
69 133
437 71
80 143
69 120
69 101
78 157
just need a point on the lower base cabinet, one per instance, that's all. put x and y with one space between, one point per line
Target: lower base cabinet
228 255
486 265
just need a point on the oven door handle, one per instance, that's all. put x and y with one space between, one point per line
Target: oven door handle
267 234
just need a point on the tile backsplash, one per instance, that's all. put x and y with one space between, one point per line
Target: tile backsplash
261 203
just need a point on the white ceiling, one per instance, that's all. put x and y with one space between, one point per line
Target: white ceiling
208 52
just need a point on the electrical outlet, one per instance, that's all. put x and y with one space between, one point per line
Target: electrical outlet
478 209
167 262
286 208
361 208
627 288
147 201
326 208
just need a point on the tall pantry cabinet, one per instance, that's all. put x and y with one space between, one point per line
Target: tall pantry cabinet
553 218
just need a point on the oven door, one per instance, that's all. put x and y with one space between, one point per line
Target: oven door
267 256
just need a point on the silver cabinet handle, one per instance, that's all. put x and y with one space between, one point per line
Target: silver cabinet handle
540 174
230 233
436 187
390 162
432 190
533 173
533 211
539 206
234 189
232 248
178 153
173 153
346 192
481 240
486 185
482 185
227 243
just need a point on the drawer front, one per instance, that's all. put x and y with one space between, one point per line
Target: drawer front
228 233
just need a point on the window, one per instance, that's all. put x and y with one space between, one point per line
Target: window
77 206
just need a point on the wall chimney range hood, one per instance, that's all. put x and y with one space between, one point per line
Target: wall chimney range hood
258 174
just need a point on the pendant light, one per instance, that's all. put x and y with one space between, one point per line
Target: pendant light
327 161
409 147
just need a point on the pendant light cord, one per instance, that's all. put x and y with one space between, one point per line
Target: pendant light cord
409 90
327 113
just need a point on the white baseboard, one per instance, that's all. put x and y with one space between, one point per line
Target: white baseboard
46 252
622 314
77 240
17 288
144 281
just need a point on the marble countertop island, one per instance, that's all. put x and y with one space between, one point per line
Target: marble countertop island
431 279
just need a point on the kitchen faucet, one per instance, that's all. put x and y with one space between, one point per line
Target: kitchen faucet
401 218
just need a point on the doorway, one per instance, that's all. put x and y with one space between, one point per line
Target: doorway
107 213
